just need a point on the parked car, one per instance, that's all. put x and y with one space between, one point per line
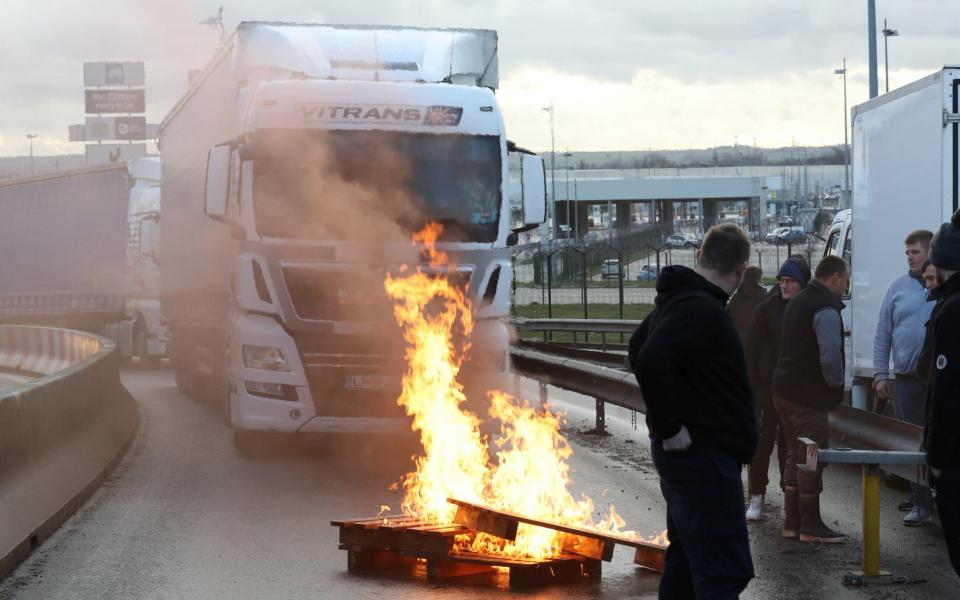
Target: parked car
787 235
647 273
683 240
610 269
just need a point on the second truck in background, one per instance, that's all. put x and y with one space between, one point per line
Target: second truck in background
905 177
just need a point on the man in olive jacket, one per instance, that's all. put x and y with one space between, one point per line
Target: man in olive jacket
807 383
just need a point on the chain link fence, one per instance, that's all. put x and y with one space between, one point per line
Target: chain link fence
612 275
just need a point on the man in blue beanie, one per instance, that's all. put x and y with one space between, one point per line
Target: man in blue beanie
762 350
941 438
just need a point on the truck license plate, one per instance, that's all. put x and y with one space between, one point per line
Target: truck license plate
365 382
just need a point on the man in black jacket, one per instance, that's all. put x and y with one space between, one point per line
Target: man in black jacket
762 349
807 383
689 363
744 301
941 434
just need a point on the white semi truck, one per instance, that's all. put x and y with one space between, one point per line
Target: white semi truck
295 170
905 177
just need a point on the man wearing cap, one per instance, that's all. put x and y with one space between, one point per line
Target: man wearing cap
941 434
762 349
900 332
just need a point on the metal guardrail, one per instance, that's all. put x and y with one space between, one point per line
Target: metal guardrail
848 426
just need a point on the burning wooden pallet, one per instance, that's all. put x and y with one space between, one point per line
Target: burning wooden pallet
584 542
378 543
395 541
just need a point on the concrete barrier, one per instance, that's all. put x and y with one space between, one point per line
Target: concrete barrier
60 434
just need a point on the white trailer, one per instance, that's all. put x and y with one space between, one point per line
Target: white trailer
149 333
905 177
295 170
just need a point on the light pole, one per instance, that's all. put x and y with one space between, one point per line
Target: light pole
887 32
31 136
553 173
846 146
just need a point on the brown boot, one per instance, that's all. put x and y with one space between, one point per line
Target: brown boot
812 528
791 513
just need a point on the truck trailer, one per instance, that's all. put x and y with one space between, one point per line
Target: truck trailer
296 169
905 177
72 255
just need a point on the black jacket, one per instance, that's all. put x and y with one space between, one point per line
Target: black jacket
742 305
763 340
690 366
925 360
941 435
798 376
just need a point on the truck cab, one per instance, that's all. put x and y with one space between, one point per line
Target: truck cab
314 180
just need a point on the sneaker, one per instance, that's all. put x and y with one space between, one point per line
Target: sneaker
905 506
755 510
916 517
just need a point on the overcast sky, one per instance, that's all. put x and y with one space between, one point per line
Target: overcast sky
623 75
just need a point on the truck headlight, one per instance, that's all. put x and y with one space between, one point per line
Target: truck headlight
267 358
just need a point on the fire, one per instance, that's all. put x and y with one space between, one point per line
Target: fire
530 476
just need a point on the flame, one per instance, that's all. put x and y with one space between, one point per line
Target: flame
531 475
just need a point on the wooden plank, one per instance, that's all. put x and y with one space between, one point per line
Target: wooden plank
375 559
349 522
590 533
396 539
487 522
588 547
445 568
552 572
650 558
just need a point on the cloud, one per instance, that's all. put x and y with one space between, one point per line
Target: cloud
702 71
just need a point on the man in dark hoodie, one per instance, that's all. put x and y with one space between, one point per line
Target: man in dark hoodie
941 438
690 366
762 349
744 301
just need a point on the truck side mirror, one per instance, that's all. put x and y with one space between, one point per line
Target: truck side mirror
218 182
533 189
149 238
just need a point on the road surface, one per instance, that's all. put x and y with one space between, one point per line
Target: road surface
186 516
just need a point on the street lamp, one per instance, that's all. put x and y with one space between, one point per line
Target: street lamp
846 146
31 136
887 32
553 171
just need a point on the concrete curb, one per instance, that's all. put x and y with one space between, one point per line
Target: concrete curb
60 436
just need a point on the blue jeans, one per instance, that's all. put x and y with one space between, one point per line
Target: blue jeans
709 552
909 395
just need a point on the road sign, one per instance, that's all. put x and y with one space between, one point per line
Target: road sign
115 101
103 154
113 128
97 74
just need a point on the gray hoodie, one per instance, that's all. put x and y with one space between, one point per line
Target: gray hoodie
900 328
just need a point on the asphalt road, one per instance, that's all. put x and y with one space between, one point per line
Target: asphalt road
186 516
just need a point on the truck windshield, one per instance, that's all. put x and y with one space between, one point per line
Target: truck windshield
346 184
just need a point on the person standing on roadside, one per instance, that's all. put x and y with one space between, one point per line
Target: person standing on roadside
744 301
762 349
931 280
807 384
941 436
690 365
900 332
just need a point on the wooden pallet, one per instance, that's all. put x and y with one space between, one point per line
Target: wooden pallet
392 542
585 542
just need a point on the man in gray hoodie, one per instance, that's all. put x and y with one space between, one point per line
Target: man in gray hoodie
900 332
